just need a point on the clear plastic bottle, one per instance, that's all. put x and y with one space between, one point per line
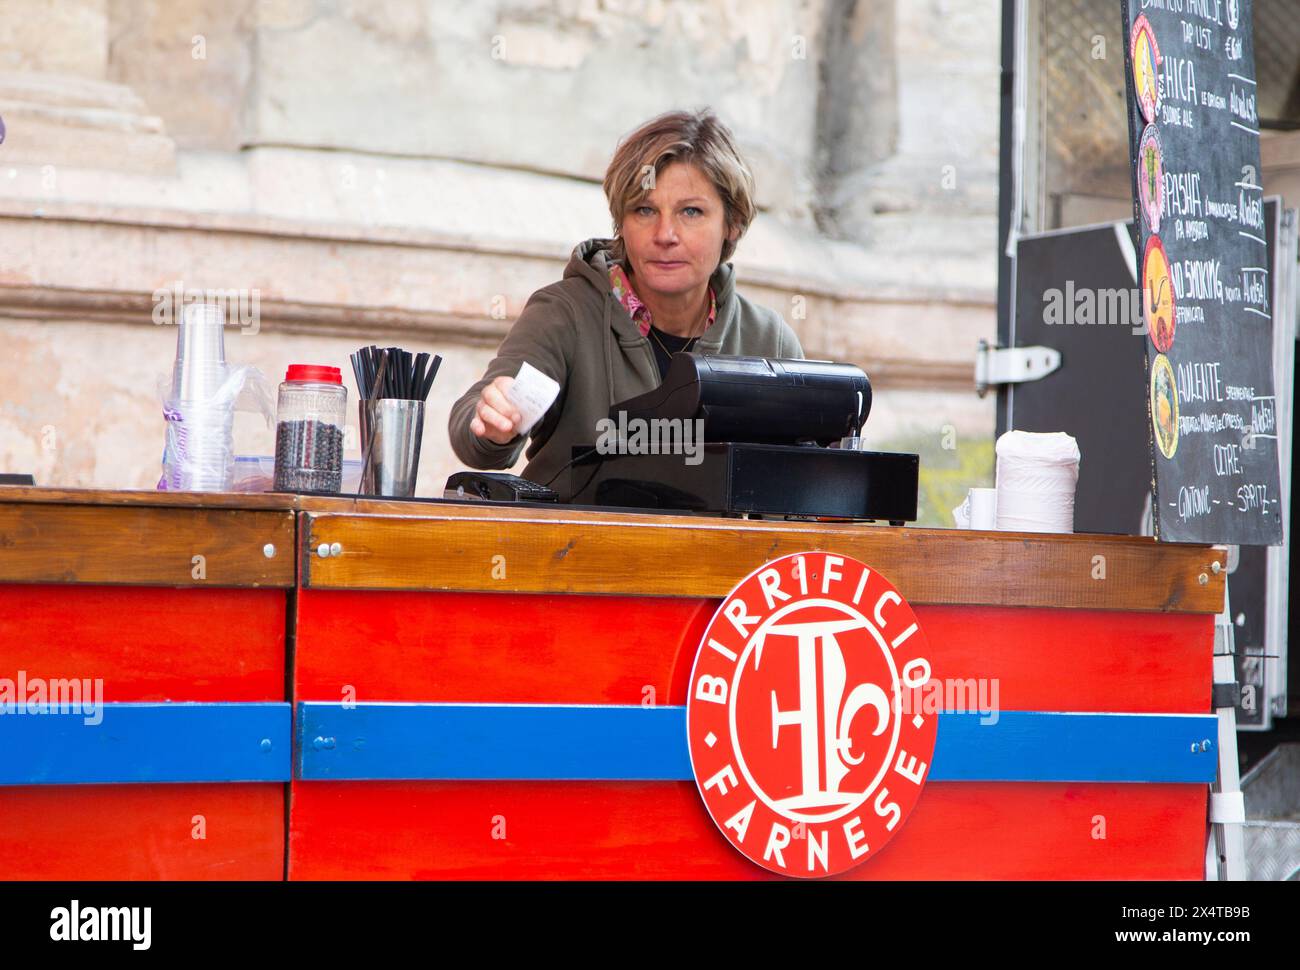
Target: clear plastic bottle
310 418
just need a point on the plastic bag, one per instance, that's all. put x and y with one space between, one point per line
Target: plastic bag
198 453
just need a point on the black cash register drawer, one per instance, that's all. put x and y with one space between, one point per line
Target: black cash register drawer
739 478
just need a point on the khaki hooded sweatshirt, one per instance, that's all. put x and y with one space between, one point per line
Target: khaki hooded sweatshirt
579 334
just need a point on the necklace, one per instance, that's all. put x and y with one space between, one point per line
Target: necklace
686 347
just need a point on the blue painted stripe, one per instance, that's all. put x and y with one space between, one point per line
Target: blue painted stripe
472 741
1033 746
614 743
147 743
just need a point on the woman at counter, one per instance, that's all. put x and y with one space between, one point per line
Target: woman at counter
681 196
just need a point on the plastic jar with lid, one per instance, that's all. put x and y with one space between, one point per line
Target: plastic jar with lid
310 418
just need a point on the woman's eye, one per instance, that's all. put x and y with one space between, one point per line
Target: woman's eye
692 210
644 210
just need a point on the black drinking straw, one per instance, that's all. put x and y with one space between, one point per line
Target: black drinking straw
428 381
368 367
383 377
417 376
359 373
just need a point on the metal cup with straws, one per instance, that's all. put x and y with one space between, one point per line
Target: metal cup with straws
393 386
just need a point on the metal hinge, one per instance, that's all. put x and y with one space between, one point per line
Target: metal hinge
1012 365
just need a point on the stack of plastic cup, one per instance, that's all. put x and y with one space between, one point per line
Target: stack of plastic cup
200 441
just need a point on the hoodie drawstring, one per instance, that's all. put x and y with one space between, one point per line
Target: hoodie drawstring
609 353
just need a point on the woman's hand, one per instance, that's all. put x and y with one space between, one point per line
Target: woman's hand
495 418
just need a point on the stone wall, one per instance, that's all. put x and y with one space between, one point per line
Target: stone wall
406 171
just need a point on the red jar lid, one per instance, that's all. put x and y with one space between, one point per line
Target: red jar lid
314 372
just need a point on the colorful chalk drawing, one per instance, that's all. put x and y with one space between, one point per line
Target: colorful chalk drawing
1146 67
1164 405
1158 295
1151 176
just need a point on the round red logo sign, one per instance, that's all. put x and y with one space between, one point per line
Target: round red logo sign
804 746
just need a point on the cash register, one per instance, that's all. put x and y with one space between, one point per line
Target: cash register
773 438
738 436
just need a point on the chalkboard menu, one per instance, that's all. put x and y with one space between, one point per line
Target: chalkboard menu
1203 270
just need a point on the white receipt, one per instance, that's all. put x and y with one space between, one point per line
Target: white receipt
532 393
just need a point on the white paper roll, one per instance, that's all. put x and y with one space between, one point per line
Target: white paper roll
1037 478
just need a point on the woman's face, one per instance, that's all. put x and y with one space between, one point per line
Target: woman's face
673 237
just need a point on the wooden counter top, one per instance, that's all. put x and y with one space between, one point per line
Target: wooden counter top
152 538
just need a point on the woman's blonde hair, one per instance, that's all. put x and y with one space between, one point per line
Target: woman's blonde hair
681 136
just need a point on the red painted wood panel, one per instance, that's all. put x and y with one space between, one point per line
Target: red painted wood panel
142 832
660 830
148 643
512 648
498 647
521 648
1077 660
